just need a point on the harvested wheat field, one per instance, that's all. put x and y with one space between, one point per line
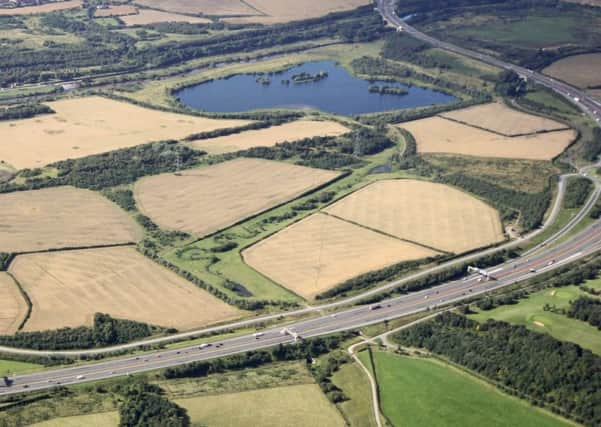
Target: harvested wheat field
580 70
66 289
498 117
92 125
278 11
319 252
149 16
62 217
117 10
269 137
14 307
45 8
204 7
438 135
434 215
202 201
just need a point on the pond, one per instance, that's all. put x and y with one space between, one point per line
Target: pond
320 85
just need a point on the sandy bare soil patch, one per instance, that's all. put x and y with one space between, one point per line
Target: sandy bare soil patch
292 131
13 306
61 217
118 10
580 70
205 7
434 215
67 288
149 16
439 135
92 125
278 11
202 201
497 117
45 8
321 251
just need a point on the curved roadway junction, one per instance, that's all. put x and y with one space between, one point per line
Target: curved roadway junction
543 258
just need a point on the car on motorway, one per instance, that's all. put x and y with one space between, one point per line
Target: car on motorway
80 377
375 306
258 335
203 346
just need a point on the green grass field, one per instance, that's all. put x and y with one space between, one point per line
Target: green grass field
529 312
423 392
8 367
358 410
104 419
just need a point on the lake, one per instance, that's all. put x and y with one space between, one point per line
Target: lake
339 92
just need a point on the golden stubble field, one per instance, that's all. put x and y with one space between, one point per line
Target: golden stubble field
92 125
497 117
150 16
45 8
580 70
205 7
67 288
203 201
439 135
62 217
319 252
292 131
14 307
279 11
434 215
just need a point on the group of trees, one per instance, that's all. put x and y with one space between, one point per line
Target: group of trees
578 190
586 309
24 111
145 405
104 332
559 375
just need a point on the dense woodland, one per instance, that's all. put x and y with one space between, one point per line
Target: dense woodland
24 111
559 375
145 405
577 192
586 309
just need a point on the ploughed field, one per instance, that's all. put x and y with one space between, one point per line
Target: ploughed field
203 201
45 8
583 71
117 10
67 288
198 7
62 217
92 125
385 223
14 307
287 132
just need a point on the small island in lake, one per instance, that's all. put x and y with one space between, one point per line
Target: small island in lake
305 77
387 90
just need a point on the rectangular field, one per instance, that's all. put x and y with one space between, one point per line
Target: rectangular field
62 217
13 306
438 135
150 16
497 117
424 392
45 8
434 215
204 7
92 125
205 200
66 289
319 252
292 131
278 11
117 10
579 70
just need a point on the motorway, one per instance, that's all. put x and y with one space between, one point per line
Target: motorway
547 257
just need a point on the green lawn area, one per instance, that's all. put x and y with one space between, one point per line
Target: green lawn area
105 419
11 367
358 410
529 312
425 392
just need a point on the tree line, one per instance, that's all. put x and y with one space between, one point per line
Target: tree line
24 111
558 375
145 405
586 309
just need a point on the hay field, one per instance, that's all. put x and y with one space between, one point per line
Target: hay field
498 117
66 289
204 7
62 217
45 8
92 125
268 137
14 307
433 215
279 11
116 10
319 252
149 16
202 201
438 135
580 70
